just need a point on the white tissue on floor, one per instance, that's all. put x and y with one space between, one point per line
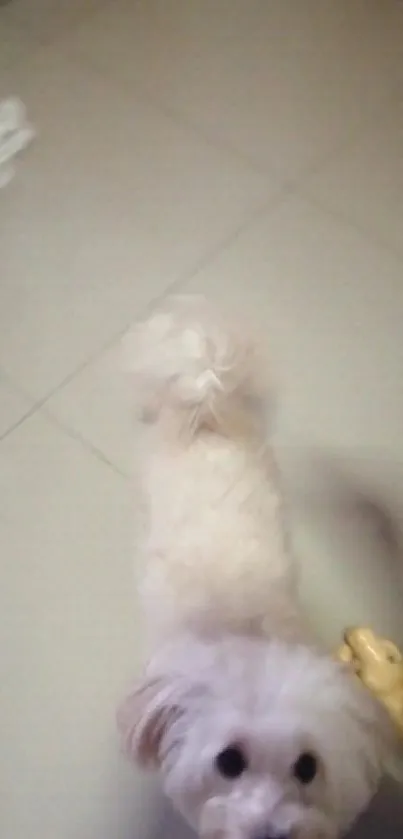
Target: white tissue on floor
15 134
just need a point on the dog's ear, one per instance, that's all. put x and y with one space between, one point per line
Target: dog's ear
145 716
157 715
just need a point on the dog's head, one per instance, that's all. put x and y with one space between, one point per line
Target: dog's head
257 740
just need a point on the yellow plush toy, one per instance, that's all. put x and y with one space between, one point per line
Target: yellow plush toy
378 663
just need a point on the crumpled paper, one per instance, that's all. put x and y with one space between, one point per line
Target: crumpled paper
15 134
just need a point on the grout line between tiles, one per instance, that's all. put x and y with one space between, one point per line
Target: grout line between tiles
68 431
149 98
26 415
343 218
79 438
348 143
288 181
270 205
209 137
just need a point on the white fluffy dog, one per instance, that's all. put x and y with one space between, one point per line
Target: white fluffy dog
256 734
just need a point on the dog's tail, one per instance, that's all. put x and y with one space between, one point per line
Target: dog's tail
193 368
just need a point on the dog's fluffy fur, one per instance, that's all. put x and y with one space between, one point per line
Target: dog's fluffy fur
231 662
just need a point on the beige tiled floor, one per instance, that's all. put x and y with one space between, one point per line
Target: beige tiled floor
249 149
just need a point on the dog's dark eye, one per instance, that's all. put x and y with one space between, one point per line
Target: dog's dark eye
305 768
231 762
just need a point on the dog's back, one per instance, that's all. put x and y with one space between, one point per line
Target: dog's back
215 551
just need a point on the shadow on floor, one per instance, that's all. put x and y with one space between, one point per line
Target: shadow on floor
384 818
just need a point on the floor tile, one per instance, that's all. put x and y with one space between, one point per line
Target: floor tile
283 83
14 46
13 405
46 19
39 454
69 643
98 406
365 184
111 204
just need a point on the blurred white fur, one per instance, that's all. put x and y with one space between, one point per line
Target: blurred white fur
231 662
